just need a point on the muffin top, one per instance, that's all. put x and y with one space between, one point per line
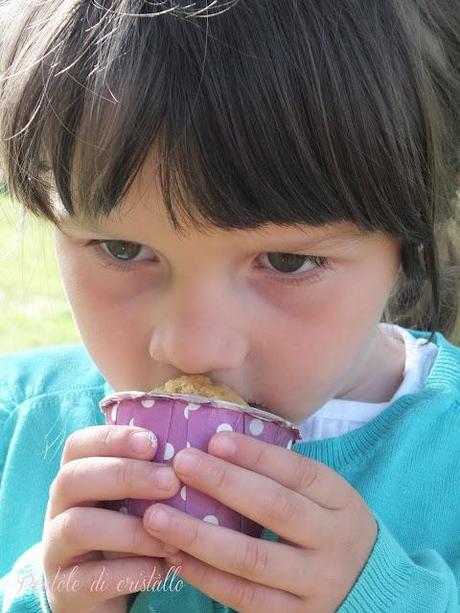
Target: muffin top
199 385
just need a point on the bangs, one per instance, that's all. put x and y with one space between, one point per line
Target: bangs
280 112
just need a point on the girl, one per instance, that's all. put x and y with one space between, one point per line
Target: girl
262 192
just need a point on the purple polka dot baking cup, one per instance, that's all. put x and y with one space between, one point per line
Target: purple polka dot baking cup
181 421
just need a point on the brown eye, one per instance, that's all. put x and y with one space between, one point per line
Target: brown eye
122 250
287 262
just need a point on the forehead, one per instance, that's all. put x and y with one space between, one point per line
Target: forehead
142 217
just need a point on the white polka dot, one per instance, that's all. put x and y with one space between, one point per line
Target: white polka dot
190 407
224 428
211 519
187 444
183 493
148 402
255 427
113 413
169 451
123 510
131 422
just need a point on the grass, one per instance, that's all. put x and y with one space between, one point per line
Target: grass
33 305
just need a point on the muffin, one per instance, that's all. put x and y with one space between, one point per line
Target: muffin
187 412
200 385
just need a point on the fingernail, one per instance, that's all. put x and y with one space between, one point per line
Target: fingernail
188 461
163 477
142 441
157 518
176 559
224 444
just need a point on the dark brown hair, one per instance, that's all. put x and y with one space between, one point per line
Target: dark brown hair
282 111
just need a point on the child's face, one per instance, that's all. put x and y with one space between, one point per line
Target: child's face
217 304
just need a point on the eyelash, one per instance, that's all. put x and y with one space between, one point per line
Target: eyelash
323 263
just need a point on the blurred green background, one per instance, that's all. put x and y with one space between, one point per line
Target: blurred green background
32 301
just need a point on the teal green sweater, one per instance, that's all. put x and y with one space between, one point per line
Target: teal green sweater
405 463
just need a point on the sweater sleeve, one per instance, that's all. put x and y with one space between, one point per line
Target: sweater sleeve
23 588
392 580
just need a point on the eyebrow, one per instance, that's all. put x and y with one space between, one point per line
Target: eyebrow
71 225
332 237
335 235
88 224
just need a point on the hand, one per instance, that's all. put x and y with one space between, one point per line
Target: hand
326 529
81 540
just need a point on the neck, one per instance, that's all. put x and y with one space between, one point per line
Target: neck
380 373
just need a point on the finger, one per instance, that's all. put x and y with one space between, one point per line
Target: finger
118 441
79 530
284 511
92 480
92 582
265 562
309 478
109 555
234 592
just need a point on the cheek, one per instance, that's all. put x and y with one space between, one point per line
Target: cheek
89 300
103 311
357 297
110 325
320 337
349 299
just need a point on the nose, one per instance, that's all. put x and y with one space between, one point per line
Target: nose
198 337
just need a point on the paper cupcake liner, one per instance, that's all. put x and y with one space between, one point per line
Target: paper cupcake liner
181 421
